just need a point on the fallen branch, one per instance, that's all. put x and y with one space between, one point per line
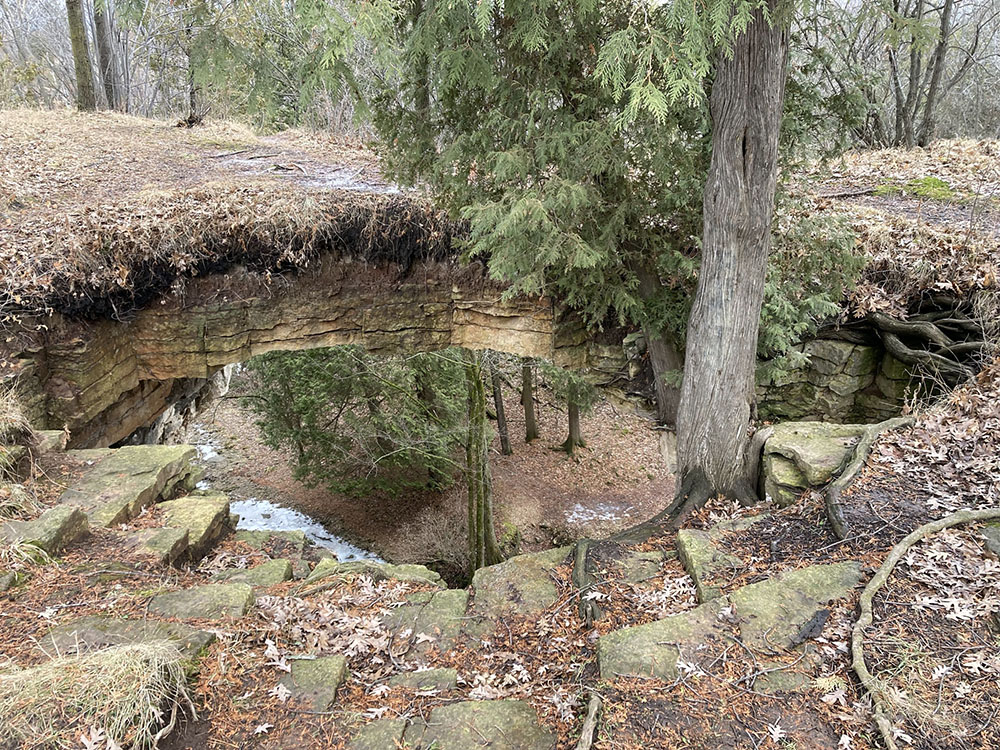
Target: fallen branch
834 508
872 684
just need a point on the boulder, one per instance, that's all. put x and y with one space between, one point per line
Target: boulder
473 725
315 681
212 601
52 531
799 455
124 481
94 632
204 515
259 576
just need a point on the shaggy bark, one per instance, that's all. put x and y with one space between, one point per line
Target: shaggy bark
718 388
528 401
85 99
483 547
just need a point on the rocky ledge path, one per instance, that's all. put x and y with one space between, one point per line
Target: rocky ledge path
730 634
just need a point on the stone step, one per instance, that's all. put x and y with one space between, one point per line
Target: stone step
315 682
94 631
437 614
260 576
781 612
52 530
703 557
204 515
472 725
121 482
167 545
522 585
211 601
800 455
427 679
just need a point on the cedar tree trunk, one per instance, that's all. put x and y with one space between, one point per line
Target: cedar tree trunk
528 401
505 448
483 547
718 390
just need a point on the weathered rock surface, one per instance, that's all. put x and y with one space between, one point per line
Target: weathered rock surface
378 571
123 482
204 515
427 679
93 632
522 585
472 725
315 681
800 455
166 545
8 578
437 614
263 575
703 558
991 537
212 601
53 530
784 611
382 734
275 543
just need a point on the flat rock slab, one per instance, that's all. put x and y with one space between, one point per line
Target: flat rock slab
474 725
522 585
427 679
702 556
378 571
53 530
438 614
122 483
94 632
315 681
204 515
784 611
165 544
263 575
382 734
212 601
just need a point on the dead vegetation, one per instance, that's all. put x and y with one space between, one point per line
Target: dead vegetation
123 696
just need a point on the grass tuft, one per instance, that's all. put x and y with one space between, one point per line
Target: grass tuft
16 502
131 693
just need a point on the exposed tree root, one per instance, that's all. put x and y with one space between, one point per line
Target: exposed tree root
834 508
590 723
871 683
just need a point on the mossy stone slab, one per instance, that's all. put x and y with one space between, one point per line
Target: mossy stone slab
165 544
473 725
818 449
266 574
637 567
94 632
211 601
701 557
775 612
315 681
53 530
204 515
427 679
121 484
522 585
382 734
438 614
378 571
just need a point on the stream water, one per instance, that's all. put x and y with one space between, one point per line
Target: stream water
264 515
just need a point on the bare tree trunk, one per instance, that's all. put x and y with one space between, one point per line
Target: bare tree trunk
528 401
108 59
663 354
85 99
483 547
937 72
505 448
718 389
575 439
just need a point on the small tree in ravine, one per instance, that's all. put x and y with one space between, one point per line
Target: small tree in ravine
358 423
579 396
